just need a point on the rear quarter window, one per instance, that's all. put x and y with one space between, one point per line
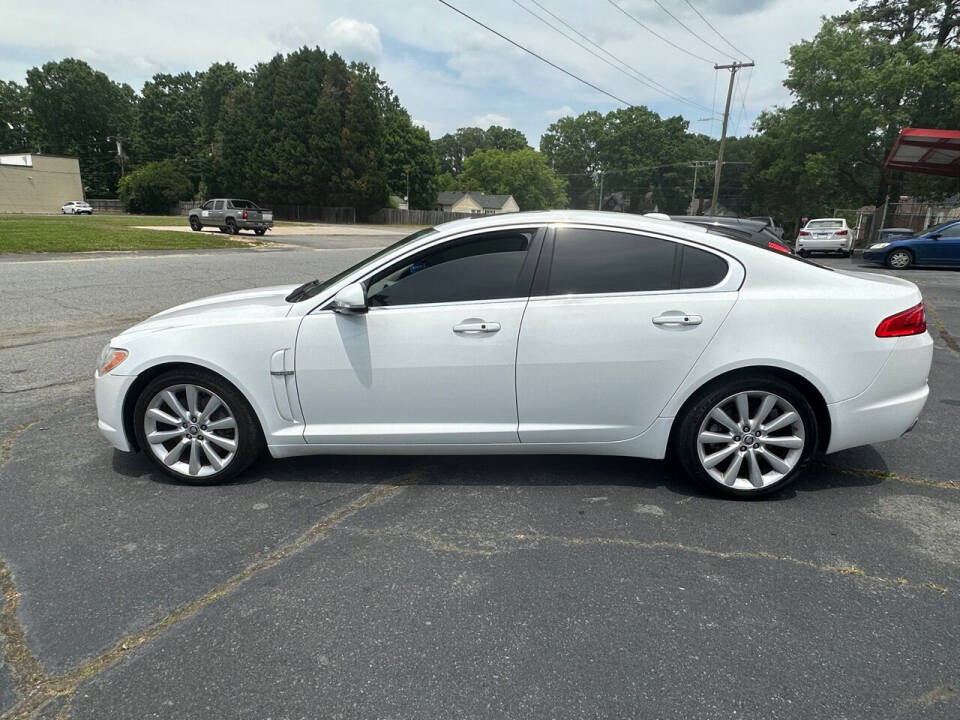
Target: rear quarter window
700 269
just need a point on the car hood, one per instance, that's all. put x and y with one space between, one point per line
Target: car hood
262 302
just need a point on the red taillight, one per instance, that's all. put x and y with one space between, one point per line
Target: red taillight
244 215
840 232
778 247
804 233
908 322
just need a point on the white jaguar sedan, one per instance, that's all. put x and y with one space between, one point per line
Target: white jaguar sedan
548 332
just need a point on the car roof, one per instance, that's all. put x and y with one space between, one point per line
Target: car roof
749 224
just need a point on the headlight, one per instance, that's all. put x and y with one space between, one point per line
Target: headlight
110 358
878 246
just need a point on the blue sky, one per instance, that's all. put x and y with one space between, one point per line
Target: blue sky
447 71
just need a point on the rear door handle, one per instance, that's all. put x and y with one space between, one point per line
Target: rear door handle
474 326
677 318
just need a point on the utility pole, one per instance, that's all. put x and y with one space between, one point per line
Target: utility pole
407 171
733 67
600 196
119 140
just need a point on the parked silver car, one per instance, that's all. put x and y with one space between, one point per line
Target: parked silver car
231 216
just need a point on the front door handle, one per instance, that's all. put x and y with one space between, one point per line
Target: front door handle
677 318
474 326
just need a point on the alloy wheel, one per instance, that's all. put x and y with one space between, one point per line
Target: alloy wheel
191 430
900 259
751 440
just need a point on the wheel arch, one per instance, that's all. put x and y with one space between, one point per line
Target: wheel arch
146 376
802 384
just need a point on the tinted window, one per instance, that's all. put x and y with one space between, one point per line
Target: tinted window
601 261
208 205
484 267
952 231
243 204
699 269
218 205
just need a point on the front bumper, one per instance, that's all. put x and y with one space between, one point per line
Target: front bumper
109 391
875 256
891 405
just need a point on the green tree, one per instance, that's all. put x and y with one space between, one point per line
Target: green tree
75 110
154 187
899 21
168 120
524 174
14 110
454 148
853 93
408 156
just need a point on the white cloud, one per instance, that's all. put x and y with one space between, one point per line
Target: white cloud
485 121
559 112
355 39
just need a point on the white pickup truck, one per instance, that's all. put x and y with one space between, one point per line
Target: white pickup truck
231 216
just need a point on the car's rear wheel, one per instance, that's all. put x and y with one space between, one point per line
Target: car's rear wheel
900 259
195 224
232 226
196 427
259 231
747 437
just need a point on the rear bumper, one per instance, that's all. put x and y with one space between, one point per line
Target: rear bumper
893 402
814 245
255 224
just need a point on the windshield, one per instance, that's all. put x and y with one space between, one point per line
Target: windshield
320 287
941 226
824 224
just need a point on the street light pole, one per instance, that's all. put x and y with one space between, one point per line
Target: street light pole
733 67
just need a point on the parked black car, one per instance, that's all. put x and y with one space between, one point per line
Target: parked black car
755 232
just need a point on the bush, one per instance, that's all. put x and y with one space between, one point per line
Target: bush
153 188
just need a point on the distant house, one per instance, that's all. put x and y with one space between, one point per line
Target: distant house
475 203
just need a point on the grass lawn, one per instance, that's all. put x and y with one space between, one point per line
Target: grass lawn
83 233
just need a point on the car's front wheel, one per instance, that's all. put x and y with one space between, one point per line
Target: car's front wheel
747 437
196 427
899 259
195 224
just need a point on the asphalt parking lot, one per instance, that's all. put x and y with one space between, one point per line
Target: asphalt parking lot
415 587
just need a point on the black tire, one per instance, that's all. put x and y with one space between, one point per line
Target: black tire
232 228
803 253
899 259
195 223
685 440
222 229
247 435
259 232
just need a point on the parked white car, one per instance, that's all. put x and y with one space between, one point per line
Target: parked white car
548 332
827 235
77 207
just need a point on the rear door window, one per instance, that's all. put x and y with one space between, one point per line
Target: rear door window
587 261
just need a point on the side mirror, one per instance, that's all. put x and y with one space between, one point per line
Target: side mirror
934 236
351 300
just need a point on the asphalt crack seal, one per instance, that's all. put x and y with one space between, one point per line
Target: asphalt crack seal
37 689
493 544
947 338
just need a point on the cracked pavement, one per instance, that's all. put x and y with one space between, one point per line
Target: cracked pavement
401 587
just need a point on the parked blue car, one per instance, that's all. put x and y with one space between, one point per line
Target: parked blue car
937 245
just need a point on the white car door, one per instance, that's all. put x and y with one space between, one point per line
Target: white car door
615 321
433 359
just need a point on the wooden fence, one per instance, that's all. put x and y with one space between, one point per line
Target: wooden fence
391 216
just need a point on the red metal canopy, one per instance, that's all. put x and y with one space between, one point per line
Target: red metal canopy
935 152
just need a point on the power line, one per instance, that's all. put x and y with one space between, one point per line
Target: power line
643 77
719 34
531 52
695 34
649 82
656 34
